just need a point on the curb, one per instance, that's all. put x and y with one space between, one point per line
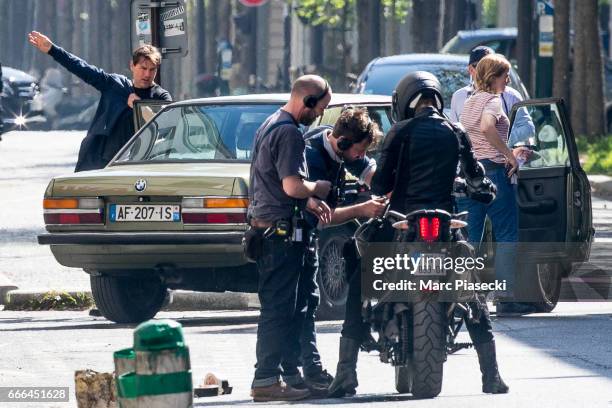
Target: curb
600 184
180 300
6 286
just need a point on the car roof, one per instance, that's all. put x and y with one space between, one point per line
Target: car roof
484 33
337 99
406 59
16 75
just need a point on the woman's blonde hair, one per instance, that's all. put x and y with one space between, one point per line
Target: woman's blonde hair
488 69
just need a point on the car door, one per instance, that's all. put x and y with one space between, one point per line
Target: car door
553 192
144 110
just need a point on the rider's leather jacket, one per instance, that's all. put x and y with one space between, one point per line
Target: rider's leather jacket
419 164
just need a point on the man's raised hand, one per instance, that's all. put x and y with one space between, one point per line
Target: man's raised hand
40 41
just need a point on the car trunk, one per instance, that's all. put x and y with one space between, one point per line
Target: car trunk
162 185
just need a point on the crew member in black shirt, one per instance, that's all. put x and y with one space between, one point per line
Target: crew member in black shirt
278 196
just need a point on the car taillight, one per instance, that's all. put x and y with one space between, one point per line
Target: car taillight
73 211
214 210
429 229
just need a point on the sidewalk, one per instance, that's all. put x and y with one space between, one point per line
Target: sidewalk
180 300
600 184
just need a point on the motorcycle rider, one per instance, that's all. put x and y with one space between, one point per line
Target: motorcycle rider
418 166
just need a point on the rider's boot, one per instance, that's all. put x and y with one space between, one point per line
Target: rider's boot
492 383
345 381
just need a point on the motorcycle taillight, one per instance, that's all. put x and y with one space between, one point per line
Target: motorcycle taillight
429 228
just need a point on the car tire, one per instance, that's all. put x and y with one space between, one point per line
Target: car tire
549 286
541 284
128 299
331 278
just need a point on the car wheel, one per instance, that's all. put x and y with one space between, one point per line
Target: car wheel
128 299
549 285
333 286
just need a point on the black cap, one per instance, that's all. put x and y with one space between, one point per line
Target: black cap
479 53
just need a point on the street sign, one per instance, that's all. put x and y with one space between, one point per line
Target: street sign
545 13
162 24
253 3
544 61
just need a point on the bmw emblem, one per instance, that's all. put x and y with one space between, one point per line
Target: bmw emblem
140 185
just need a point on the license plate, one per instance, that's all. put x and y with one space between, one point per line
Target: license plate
431 265
143 212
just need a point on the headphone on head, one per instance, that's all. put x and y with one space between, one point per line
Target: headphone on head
344 143
311 101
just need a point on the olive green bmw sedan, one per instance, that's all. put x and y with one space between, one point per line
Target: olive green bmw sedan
169 211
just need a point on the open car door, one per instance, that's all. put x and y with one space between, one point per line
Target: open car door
554 196
144 110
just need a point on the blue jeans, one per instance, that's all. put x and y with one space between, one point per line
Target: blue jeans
503 213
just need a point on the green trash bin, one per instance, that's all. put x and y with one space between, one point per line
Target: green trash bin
162 371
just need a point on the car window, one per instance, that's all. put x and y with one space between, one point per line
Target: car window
198 132
496 45
379 114
382 79
549 139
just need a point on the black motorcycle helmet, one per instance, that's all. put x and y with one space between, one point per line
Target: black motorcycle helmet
410 89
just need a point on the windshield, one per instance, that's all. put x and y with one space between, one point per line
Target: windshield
199 132
381 80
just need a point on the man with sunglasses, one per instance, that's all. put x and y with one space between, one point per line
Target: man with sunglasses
523 128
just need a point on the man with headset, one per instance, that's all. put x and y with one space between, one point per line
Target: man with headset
278 197
330 153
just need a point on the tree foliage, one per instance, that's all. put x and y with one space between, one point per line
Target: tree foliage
397 9
331 12
323 12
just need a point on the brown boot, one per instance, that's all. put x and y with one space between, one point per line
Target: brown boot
278 392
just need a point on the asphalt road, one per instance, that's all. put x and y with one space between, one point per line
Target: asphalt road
28 160
562 359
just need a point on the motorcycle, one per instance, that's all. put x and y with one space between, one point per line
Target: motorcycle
417 336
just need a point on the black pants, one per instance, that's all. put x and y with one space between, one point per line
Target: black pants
283 308
480 331
354 327
311 359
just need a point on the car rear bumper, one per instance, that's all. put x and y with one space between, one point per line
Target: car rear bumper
140 238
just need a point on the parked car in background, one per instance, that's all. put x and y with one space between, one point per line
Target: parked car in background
382 74
169 211
502 40
20 96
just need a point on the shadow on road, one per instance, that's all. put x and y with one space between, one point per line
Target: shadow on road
358 399
580 340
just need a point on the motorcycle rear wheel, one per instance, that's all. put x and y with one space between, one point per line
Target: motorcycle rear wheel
423 374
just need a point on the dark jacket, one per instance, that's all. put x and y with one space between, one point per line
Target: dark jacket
319 165
114 89
424 152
